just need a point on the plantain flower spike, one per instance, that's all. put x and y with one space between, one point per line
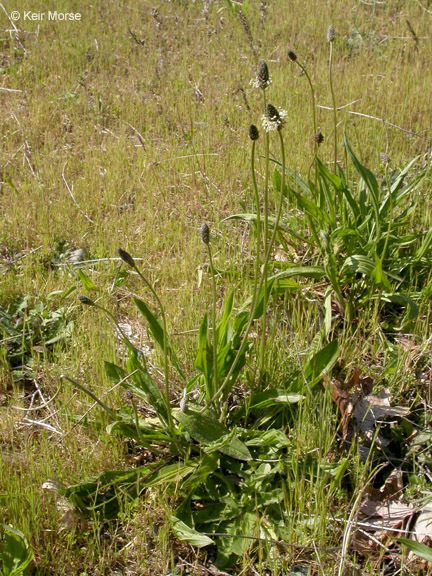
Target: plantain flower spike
126 257
319 138
330 34
292 55
253 132
205 233
273 119
262 79
85 300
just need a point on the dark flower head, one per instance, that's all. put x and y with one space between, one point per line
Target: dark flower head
253 132
205 233
262 79
385 158
292 55
126 257
273 118
319 138
85 300
263 75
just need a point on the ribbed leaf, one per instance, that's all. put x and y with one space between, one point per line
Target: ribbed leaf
114 373
185 533
207 431
85 280
157 332
316 272
418 548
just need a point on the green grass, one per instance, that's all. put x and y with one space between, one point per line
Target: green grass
81 95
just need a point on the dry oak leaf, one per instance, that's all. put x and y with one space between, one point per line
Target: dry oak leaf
373 409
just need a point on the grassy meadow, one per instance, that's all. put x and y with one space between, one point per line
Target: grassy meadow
129 129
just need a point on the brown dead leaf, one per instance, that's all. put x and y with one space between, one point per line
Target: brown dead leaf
363 383
380 516
366 385
377 522
362 411
373 409
423 527
71 518
341 398
393 486
353 379
364 544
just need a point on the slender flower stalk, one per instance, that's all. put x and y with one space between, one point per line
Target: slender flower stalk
272 120
262 282
205 237
253 135
264 272
293 57
127 258
86 301
330 40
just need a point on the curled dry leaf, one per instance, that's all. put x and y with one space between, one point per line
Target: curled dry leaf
382 515
362 411
393 486
423 526
377 516
71 518
373 409
341 398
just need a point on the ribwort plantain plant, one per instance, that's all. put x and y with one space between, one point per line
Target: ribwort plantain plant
228 465
360 229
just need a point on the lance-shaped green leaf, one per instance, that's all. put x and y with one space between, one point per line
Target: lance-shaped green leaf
185 533
418 548
207 430
85 280
320 363
203 360
15 554
158 333
371 184
143 385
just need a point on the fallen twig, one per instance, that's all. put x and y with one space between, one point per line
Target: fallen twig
385 122
73 197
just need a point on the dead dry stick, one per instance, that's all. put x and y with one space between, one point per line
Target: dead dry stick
43 425
40 406
27 147
9 89
15 29
138 135
424 7
73 197
384 122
